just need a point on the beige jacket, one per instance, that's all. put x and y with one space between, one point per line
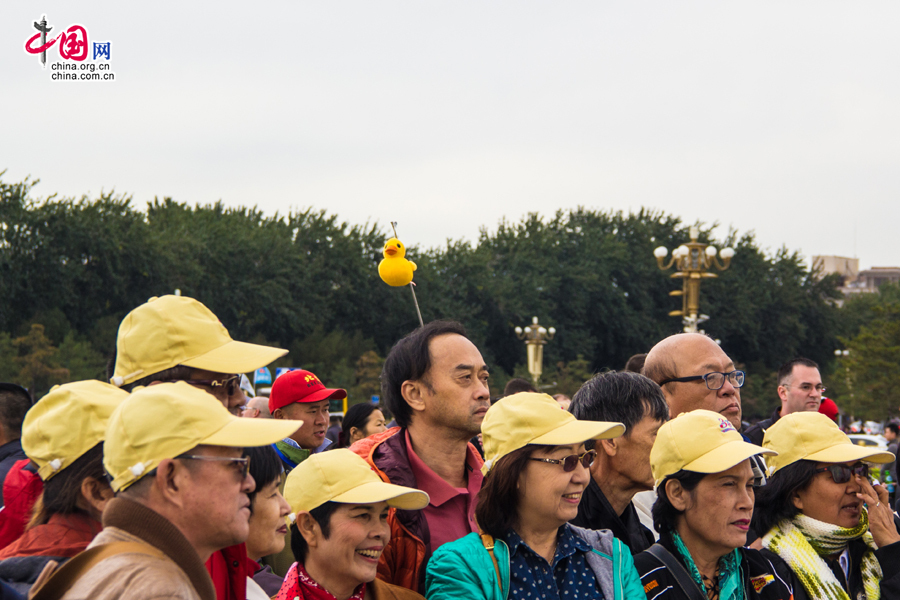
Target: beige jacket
179 575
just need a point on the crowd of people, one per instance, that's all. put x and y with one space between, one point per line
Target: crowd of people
169 482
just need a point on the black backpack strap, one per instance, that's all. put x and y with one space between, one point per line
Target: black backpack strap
682 577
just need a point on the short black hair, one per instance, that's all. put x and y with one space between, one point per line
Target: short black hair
409 360
176 373
356 416
517 385
624 397
636 363
893 427
14 403
322 515
785 370
265 467
774 501
665 516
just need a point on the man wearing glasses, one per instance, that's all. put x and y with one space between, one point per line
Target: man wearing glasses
174 458
800 390
694 372
175 338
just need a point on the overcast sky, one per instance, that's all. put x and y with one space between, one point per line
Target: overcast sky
777 117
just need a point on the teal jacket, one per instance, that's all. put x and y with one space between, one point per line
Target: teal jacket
463 569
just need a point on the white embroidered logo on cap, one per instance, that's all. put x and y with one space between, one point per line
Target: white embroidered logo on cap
55 464
137 470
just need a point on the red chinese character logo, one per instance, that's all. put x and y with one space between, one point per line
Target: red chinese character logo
74 46
73 42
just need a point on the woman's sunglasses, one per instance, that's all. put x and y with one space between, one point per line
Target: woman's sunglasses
570 462
843 473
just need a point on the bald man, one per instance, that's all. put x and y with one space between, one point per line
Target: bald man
257 408
694 372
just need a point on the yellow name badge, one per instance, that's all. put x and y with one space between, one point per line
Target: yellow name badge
762 581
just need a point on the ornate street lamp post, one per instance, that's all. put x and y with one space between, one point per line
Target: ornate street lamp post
535 336
692 261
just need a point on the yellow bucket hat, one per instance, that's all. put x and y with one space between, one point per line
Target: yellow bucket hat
813 436
67 422
168 419
176 330
342 476
701 441
530 418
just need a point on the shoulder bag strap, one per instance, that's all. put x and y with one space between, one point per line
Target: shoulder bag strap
488 542
53 583
682 577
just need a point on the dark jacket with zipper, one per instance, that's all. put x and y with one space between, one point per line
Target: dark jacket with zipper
760 576
595 512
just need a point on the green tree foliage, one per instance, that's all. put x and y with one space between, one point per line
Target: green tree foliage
308 282
37 360
872 367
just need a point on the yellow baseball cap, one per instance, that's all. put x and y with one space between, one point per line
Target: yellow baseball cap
166 420
813 436
67 422
530 418
701 441
169 331
342 476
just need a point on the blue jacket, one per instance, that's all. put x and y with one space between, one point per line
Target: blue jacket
464 570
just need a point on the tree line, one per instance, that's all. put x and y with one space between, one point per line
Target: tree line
71 268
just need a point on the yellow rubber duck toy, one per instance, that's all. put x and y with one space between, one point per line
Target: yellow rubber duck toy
395 270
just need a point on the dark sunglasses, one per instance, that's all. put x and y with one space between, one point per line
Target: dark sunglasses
570 462
243 463
843 473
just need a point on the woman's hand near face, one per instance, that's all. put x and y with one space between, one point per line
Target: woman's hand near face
881 517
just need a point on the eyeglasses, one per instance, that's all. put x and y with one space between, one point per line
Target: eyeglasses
808 387
230 385
842 473
714 381
570 462
243 462
245 411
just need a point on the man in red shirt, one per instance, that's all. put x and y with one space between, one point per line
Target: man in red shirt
434 382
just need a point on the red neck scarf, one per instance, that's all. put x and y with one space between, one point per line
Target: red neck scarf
298 584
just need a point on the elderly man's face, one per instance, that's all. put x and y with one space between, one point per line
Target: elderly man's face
699 355
216 501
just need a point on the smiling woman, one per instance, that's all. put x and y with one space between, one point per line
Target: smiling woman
535 473
834 530
339 531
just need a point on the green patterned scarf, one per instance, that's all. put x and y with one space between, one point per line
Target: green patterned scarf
729 571
294 453
803 541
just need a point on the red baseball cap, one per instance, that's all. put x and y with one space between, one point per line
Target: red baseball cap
300 386
829 408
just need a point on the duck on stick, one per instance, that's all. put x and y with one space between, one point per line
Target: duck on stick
395 270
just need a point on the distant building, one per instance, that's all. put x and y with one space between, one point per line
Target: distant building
848 268
854 280
874 278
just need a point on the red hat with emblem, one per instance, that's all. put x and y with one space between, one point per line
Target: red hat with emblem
300 386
